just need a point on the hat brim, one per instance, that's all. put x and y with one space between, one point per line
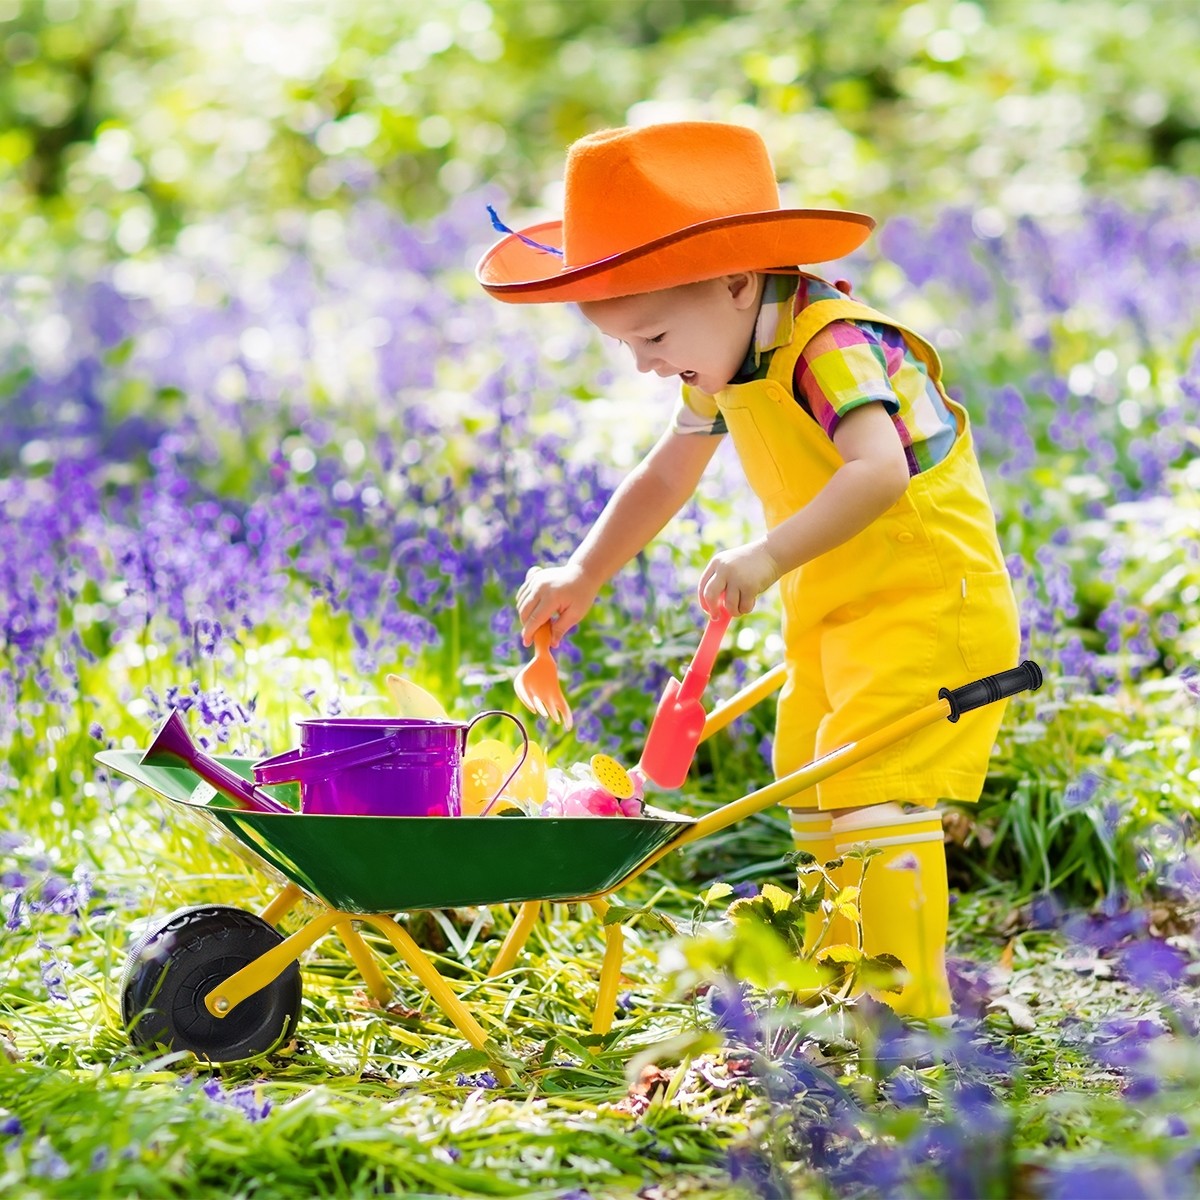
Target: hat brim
519 273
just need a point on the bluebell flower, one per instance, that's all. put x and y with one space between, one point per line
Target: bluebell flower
751 1168
1080 792
45 1162
15 917
53 971
482 1079
904 1090
881 1167
970 987
245 1100
1091 1180
1141 1086
731 1013
1153 965
1103 931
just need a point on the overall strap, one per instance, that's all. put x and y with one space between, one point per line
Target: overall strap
814 317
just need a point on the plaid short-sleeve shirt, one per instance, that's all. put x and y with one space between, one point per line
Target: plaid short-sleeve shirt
847 364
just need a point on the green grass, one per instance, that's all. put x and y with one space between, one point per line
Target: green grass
369 1101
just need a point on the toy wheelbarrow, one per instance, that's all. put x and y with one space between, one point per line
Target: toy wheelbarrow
225 984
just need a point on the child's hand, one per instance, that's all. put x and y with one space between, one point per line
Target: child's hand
561 595
742 574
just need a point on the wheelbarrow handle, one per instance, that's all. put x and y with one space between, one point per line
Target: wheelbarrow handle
948 706
741 702
1026 677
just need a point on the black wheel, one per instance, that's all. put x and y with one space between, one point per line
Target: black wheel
173 966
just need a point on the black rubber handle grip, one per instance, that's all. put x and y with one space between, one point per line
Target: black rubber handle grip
1025 678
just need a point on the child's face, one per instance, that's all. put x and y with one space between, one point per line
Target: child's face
700 332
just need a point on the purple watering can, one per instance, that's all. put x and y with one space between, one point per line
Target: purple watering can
173 747
346 766
380 766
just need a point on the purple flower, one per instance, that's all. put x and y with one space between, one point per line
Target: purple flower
46 1163
245 1100
482 1079
904 1090
1102 931
969 986
1123 1041
1045 911
1153 965
53 972
753 1170
61 897
880 1168
1080 792
800 1078
14 919
731 1013
1093 1180
1141 1087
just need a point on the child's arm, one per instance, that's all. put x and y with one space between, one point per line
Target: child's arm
649 496
872 478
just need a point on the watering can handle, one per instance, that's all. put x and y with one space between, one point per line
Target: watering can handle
295 766
499 712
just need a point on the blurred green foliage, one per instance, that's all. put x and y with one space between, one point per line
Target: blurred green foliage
122 121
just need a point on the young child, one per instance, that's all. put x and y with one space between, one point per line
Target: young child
879 529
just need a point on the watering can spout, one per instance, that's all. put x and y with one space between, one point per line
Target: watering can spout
172 746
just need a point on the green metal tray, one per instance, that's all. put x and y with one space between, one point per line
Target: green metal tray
392 864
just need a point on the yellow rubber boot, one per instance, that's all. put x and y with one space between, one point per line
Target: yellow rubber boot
812 832
905 899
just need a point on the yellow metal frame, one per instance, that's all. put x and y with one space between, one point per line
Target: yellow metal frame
256 975
729 814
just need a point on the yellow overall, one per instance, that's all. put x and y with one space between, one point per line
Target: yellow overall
917 601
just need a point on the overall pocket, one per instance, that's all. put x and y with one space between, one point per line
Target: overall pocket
989 632
754 451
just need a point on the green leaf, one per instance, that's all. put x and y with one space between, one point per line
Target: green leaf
884 973
715 892
841 953
776 897
620 914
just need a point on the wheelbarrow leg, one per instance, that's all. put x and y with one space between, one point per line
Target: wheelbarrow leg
516 938
364 960
282 904
255 976
610 971
418 962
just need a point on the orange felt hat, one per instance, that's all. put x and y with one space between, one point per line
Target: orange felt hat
661 206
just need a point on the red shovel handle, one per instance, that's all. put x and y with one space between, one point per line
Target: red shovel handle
695 679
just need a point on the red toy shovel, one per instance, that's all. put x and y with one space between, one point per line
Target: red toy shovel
679 720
